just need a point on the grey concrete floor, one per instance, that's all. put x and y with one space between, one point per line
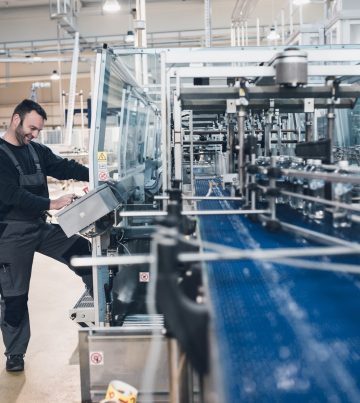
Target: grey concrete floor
51 364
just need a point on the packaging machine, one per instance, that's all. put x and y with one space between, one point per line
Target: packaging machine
257 295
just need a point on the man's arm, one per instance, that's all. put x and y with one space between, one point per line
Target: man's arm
11 194
62 168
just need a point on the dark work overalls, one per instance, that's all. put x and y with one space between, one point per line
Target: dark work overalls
23 234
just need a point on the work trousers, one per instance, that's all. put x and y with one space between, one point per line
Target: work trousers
19 240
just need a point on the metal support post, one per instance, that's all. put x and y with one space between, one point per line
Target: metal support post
247 182
207 17
191 128
181 388
173 358
164 126
253 180
331 129
241 136
309 126
230 148
72 89
272 185
177 139
267 139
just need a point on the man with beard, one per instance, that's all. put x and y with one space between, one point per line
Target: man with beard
24 200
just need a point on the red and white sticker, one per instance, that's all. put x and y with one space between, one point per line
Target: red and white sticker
144 277
96 358
103 175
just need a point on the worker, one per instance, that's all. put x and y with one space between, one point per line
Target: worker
24 201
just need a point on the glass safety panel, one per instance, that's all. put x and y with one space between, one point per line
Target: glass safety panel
126 129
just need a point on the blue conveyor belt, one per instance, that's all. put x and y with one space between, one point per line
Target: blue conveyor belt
284 334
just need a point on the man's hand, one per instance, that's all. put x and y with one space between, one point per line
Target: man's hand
62 201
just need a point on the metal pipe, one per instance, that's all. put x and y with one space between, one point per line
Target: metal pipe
321 200
272 184
173 359
237 34
191 152
253 180
242 34
201 198
316 236
282 27
331 128
223 212
331 177
246 34
190 213
72 90
206 132
207 17
164 127
257 32
204 143
291 17
109 260
269 254
267 139
230 147
232 34
262 254
241 135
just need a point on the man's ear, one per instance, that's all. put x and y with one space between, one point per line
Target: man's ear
16 119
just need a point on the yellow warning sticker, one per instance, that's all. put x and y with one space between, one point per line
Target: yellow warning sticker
102 156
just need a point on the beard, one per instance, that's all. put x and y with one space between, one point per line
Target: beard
20 134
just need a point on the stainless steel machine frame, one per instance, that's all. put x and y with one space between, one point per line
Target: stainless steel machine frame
178 94
118 353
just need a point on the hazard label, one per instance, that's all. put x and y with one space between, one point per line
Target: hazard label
102 156
96 358
103 175
144 277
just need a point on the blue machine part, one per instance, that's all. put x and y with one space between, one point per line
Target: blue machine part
284 334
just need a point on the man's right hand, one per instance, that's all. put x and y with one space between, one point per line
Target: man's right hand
62 201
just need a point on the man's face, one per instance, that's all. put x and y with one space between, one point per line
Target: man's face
29 128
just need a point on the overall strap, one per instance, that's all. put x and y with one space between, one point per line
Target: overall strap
9 153
35 157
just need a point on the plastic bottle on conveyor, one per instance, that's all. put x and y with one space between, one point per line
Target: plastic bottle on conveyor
306 190
296 184
280 182
342 193
316 189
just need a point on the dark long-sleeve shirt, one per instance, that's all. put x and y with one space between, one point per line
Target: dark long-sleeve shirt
11 194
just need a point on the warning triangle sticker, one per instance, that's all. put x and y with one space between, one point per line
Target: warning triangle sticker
102 156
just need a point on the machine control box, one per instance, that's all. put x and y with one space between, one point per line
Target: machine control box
87 209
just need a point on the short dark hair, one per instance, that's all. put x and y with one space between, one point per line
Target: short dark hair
27 106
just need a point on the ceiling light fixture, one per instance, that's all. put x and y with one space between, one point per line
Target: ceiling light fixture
273 35
130 37
111 6
55 76
300 2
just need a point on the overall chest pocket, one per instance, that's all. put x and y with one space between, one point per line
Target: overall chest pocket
32 180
